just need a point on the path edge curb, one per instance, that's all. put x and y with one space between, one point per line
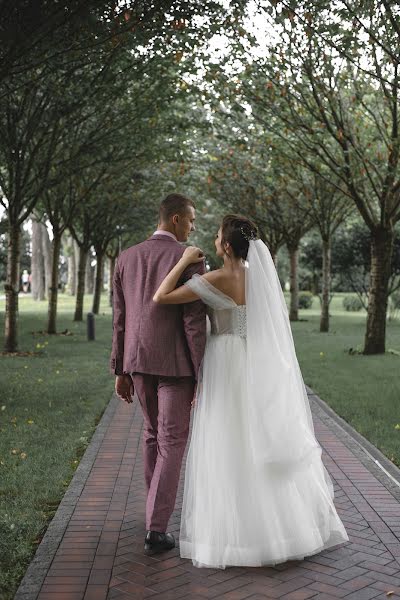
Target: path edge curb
362 448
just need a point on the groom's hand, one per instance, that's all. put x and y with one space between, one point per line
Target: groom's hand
124 388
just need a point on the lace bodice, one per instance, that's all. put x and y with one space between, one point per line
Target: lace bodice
226 317
228 321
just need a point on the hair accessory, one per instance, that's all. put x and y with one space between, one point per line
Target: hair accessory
249 235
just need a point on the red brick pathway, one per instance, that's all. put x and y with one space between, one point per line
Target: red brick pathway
100 555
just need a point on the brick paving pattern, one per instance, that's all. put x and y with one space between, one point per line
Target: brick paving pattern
100 554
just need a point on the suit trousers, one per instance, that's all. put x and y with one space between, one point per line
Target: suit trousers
166 405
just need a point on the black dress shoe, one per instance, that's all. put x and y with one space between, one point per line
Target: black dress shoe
156 542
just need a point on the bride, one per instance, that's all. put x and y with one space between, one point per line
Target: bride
256 490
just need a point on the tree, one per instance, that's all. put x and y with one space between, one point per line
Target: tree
254 177
112 201
240 177
352 260
335 98
28 135
329 208
36 33
37 266
89 274
51 76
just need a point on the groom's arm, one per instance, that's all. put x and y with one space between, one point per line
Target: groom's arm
194 321
118 338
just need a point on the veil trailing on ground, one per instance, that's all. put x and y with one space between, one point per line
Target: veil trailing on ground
282 432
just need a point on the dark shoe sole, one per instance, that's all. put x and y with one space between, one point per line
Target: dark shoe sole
149 551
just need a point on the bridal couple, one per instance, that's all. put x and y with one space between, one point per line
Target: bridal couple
256 491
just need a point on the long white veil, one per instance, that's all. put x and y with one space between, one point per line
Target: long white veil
282 433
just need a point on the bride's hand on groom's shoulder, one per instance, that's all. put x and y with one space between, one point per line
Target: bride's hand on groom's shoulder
124 388
192 255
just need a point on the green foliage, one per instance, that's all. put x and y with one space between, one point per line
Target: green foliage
352 259
93 101
395 300
352 303
394 305
322 91
305 299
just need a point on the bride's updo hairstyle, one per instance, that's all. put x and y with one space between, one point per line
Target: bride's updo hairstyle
238 231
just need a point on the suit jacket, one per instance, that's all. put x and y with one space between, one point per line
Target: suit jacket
159 339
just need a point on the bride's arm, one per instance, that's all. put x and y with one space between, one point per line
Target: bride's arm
166 293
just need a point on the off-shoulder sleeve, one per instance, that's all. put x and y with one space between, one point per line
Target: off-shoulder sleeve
209 294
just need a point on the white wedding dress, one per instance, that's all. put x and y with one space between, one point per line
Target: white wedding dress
237 511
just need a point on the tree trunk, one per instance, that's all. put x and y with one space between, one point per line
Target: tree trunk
47 259
103 267
53 287
12 289
80 290
71 265
71 275
89 278
381 256
111 267
98 284
37 281
76 252
294 284
326 284
274 254
315 284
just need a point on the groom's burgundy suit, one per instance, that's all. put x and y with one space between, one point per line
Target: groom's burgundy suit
161 346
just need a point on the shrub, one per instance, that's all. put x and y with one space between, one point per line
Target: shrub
352 303
395 300
394 305
305 300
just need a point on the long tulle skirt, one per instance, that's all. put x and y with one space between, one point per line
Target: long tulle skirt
233 512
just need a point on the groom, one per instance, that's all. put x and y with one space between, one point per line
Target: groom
157 350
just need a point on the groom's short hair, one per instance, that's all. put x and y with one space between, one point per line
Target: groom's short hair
174 204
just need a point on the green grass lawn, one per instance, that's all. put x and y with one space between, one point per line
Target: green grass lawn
49 407
51 403
364 390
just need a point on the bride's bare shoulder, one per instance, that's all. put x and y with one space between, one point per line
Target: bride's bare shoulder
213 277
216 278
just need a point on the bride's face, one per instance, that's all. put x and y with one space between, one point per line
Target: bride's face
218 246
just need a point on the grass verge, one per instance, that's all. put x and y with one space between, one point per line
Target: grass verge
51 402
